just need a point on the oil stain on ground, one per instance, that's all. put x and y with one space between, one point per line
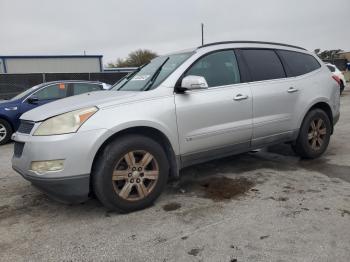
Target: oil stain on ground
171 206
223 188
195 251
212 187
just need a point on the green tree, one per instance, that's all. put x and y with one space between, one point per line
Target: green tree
134 59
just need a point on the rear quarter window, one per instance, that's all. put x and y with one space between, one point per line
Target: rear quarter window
297 64
331 68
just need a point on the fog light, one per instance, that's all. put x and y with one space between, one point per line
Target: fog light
46 166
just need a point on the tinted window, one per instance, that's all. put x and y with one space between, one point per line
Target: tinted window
331 68
297 64
263 64
219 68
52 92
81 88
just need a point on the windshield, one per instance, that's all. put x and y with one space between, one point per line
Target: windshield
26 92
157 70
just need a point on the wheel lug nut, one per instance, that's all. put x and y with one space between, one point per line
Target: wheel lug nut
129 175
139 168
131 180
134 168
138 180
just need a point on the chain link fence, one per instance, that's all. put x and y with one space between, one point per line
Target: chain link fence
13 84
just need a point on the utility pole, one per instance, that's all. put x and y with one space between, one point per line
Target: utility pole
202 27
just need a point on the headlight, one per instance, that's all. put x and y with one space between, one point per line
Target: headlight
65 123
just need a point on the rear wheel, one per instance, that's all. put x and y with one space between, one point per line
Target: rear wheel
314 135
130 173
5 132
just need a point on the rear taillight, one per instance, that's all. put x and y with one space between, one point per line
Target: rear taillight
337 79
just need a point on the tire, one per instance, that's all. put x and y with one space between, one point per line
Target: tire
312 143
143 186
5 131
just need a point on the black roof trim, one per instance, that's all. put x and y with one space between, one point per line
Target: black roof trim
250 42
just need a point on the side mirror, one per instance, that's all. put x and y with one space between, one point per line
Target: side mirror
194 82
33 100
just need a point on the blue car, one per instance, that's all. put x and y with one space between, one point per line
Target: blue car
12 109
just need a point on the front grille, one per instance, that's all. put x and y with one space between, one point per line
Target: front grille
25 127
18 149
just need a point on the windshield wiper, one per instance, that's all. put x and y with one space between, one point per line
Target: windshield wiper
129 76
150 82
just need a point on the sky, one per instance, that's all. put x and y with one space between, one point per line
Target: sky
114 28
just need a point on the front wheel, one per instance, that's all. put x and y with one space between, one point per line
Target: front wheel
130 173
5 132
314 135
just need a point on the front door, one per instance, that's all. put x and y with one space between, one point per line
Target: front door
216 121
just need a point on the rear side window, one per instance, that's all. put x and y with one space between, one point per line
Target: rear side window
81 88
297 64
263 64
218 69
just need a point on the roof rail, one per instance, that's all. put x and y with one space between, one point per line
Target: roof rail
250 42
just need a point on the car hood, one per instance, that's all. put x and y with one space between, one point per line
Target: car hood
100 99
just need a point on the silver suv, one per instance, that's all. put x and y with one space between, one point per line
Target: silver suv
180 109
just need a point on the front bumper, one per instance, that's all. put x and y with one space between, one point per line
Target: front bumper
72 183
74 189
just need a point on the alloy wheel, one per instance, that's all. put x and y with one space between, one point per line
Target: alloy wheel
135 175
317 133
3 132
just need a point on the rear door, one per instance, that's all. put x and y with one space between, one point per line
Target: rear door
274 95
218 120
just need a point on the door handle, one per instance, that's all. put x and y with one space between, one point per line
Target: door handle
292 90
240 97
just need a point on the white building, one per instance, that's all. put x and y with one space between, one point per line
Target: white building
51 64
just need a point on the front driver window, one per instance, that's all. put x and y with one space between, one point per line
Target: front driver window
51 92
219 68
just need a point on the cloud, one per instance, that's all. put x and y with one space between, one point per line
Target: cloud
114 28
